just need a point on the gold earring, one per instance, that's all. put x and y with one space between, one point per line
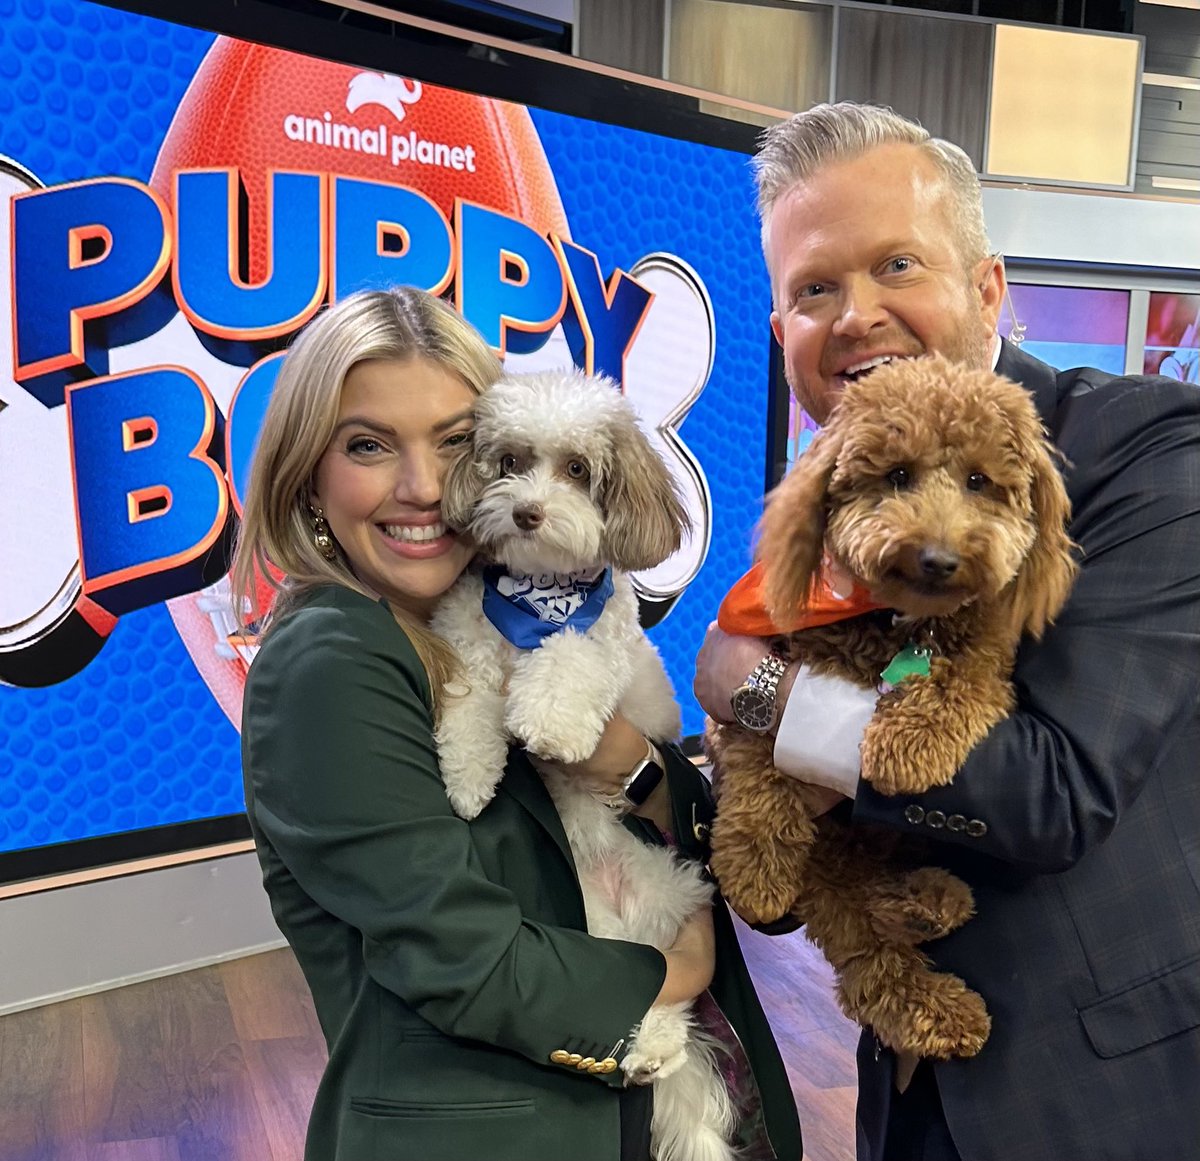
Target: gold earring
322 537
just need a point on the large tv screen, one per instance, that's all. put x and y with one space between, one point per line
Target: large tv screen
179 201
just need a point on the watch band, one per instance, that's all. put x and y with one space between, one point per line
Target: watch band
754 701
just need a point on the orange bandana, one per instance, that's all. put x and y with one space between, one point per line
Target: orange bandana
835 596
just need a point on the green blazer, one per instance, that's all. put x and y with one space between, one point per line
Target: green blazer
449 961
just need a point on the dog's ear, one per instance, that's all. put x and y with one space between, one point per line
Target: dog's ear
462 487
792 542
1044 580
644 519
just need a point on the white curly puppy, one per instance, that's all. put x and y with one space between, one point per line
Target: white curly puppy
565 496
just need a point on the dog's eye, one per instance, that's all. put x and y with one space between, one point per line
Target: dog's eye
508 464
577 469
977 481
899 478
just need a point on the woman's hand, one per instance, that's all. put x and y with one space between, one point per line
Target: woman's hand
620 749
691 960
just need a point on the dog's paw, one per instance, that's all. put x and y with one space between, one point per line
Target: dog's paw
960 1026
554 747
659 1046
945 1021
552 735
647 1067
760 880
894 780
925 904
771 915
893 768
468 801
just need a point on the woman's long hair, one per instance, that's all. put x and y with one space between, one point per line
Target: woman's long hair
277 529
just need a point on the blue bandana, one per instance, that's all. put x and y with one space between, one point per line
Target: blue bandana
527 609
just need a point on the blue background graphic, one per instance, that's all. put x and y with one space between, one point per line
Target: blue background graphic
136 740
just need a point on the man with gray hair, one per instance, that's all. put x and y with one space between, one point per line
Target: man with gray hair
1076 822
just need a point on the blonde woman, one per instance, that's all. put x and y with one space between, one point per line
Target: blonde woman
467 1011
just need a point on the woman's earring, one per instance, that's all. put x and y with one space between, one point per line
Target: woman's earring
322 537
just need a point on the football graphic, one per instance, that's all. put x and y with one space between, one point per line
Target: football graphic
258 109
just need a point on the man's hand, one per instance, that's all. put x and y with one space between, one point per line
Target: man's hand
821 800
722 664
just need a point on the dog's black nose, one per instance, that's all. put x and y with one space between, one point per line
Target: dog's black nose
938 563
528 517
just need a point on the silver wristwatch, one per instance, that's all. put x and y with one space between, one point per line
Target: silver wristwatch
754 703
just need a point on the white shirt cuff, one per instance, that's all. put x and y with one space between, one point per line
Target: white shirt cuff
822 727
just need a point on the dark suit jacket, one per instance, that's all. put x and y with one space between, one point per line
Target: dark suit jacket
448 961
1086 942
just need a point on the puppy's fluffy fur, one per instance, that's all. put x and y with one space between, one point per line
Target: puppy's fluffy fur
561 480
936 488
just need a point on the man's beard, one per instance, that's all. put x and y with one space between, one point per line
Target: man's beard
972 347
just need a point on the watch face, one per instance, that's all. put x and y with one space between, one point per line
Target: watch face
753 708
642 782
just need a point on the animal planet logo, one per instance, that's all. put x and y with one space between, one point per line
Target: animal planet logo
394 94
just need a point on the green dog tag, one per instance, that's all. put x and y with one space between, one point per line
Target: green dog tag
911 661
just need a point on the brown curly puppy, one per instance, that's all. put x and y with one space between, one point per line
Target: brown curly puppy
936 488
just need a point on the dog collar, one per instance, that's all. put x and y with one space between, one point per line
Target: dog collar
527 609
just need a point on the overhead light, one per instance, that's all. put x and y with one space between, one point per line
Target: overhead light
1167 80
1188 183
1175 3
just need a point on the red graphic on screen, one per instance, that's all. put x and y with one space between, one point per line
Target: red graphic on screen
1173 336
260 109
247 98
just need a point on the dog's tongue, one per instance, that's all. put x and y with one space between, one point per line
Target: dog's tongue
834 597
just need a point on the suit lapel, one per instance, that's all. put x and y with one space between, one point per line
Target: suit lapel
1038 378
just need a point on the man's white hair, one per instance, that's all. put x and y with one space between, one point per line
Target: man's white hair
794 150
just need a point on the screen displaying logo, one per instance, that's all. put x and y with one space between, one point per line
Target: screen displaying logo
152 284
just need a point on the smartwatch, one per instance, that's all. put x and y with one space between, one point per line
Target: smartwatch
754 701
641 780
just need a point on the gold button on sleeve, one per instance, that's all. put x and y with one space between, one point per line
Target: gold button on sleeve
560 1056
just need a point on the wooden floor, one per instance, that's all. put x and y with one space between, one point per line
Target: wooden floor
220 1064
